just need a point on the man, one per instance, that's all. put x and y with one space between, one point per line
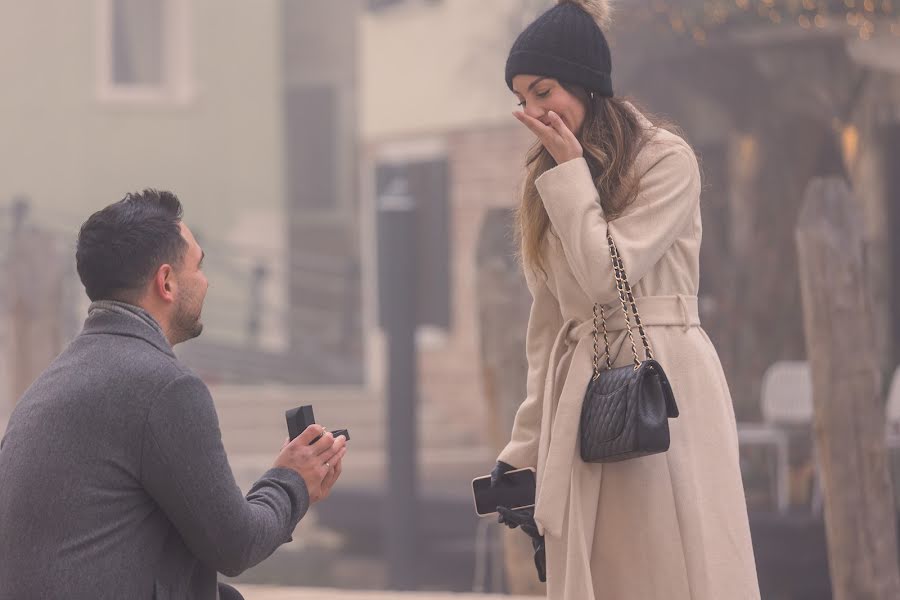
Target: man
113 479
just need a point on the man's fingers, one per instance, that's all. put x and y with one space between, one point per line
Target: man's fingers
334 470
337 465
323 444
330 454
309 434
339 460
339 457
329 479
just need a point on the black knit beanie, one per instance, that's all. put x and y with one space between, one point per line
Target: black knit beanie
567 44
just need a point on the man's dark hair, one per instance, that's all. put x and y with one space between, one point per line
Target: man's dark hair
120 247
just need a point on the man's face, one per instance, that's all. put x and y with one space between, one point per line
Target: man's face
191 291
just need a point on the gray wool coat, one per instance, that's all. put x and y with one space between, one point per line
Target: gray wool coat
114 482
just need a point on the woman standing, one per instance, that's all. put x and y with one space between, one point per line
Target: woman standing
667 526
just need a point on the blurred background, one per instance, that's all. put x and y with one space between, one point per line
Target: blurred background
349 167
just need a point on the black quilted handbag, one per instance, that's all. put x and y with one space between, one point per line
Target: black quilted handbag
626 410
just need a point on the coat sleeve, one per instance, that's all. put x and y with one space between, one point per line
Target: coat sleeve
668 197
185 469
543 324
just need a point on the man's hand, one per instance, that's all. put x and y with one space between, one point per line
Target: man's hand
559 141
333 474
318 464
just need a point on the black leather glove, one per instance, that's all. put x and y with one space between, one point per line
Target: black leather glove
523 518
498 471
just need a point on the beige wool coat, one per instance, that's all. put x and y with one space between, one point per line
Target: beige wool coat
670 526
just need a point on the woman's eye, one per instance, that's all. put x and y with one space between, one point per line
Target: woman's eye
543 94
522 104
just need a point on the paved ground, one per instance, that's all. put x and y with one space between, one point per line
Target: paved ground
261 592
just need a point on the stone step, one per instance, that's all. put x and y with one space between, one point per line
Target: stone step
266 416
267 592
234 396
439 470
252 418
241 438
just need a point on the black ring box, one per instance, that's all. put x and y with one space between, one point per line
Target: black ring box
298 419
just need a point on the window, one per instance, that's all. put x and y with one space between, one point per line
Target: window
376 5
143 51
137 43
311 116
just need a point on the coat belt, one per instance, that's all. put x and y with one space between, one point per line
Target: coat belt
558 442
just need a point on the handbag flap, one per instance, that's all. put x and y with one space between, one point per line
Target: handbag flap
668 394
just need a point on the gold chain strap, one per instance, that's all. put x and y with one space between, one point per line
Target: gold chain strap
596 342
626 296
621 287
637 315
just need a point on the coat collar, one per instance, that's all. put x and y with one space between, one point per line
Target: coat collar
118 318
643 120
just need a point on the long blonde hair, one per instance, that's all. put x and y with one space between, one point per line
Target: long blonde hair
611 137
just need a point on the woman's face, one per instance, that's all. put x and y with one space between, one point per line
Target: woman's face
539 95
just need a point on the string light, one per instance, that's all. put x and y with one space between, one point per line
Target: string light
700 18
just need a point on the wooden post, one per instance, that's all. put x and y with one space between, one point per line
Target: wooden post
34 278
503 307
849 411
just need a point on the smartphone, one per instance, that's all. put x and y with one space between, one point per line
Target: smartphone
516 489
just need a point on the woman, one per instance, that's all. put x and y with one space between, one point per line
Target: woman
671 525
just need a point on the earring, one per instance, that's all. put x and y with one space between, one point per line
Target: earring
592 95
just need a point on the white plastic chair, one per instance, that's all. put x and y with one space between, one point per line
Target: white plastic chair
787 394
892 412
892 433
785 402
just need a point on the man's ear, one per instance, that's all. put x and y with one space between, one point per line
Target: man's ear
164 283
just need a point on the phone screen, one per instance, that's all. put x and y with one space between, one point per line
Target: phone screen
514 490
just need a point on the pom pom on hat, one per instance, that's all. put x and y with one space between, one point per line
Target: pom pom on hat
599 10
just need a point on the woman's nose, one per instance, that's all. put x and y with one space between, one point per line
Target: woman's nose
534 112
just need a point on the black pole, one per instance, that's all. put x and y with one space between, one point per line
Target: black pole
397 305
254 325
